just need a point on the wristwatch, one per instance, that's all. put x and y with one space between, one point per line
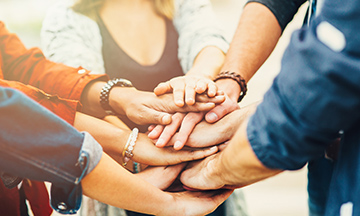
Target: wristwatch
105 92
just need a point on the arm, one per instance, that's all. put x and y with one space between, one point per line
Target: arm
103 184
113 140
295 124
259 29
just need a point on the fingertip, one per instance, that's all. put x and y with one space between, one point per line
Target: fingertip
178 145
179 103
166 119
190 101
160 143
211 117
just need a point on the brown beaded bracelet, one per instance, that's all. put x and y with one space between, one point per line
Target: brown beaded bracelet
237 78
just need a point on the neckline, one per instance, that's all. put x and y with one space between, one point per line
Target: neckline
104 28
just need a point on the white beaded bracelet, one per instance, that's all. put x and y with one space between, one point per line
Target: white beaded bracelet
129 147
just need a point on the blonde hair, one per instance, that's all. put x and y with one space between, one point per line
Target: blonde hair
90 7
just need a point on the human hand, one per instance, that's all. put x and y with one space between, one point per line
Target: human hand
145 152
186 122
221 110
163 176
147 108
194 203
188 87
202 174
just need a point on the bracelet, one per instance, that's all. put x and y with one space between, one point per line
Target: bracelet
136 167
105 92
237 78
129 146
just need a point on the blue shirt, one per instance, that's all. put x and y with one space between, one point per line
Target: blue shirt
36 144
316 95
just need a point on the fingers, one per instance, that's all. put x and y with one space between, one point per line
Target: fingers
170 130
162 88
212 88
150 116
190 93
187 126
190 155
218 99
156 131
221 110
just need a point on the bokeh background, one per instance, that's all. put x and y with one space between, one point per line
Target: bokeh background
283 195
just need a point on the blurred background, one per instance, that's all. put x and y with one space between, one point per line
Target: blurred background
282 195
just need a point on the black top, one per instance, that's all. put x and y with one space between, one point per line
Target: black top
284 10
120 65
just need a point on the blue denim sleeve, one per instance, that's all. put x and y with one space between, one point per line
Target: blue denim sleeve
36 144
315 95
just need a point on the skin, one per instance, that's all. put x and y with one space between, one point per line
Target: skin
237 165
255 38
103 185
234 167
113 140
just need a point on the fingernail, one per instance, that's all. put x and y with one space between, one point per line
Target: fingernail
179 103
213 148
177 145
151 134
212 117
190 101
160 142
166 119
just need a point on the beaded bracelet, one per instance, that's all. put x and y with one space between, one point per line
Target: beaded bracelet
129 146
237 78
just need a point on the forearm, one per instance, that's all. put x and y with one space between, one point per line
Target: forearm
255 38
208 62
111 184
238 164
111 138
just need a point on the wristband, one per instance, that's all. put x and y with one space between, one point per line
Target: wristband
105 92
237 78
129 146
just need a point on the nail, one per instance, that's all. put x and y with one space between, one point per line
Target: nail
160 142
212 117
213 148
177 145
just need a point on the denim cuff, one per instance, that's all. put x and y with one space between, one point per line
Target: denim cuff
94 151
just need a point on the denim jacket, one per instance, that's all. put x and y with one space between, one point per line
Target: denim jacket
36 144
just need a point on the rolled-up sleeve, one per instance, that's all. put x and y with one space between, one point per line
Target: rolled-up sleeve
36 144
283 10
316 94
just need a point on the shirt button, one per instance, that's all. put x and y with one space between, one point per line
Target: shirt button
62 206
81 71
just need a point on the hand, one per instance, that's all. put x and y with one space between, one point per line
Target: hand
186 122
194 203
205 134
202 175
163 176
145 152
146 108
187 86
221 110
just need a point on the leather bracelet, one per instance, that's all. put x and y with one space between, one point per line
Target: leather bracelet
105 92
237 78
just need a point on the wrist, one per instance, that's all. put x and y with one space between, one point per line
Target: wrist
235 77
120 97
230 87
